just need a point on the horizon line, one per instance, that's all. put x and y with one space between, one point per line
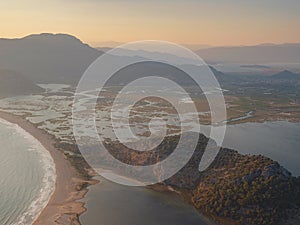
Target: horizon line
117 43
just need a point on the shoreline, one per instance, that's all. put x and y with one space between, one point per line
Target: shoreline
63 206
48 180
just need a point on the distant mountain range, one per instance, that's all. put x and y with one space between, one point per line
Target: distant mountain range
258 54
62 58
271 53
286 74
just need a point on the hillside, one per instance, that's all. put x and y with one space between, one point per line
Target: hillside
47 58
13 84
243 189
234 189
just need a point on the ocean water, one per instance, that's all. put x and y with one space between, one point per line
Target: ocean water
27 176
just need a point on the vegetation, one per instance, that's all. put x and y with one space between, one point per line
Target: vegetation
246 189
234 189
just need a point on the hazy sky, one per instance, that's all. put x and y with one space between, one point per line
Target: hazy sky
214 22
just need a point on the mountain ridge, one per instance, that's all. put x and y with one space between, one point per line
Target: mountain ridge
286 74
281 53
47 58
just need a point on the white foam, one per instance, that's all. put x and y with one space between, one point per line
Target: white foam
48 182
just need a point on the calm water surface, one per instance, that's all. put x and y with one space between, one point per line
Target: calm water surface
113 204
279 141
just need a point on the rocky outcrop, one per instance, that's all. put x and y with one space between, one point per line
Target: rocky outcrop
276 170
234 189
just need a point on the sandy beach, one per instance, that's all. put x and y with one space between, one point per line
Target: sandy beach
63 206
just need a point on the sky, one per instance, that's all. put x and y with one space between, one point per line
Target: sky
212 22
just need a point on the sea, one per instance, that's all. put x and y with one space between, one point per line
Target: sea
27 176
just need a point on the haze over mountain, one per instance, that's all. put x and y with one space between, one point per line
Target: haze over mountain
286 74
62 58
265 53
47 58
105 46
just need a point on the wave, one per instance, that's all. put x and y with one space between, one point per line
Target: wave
48 181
